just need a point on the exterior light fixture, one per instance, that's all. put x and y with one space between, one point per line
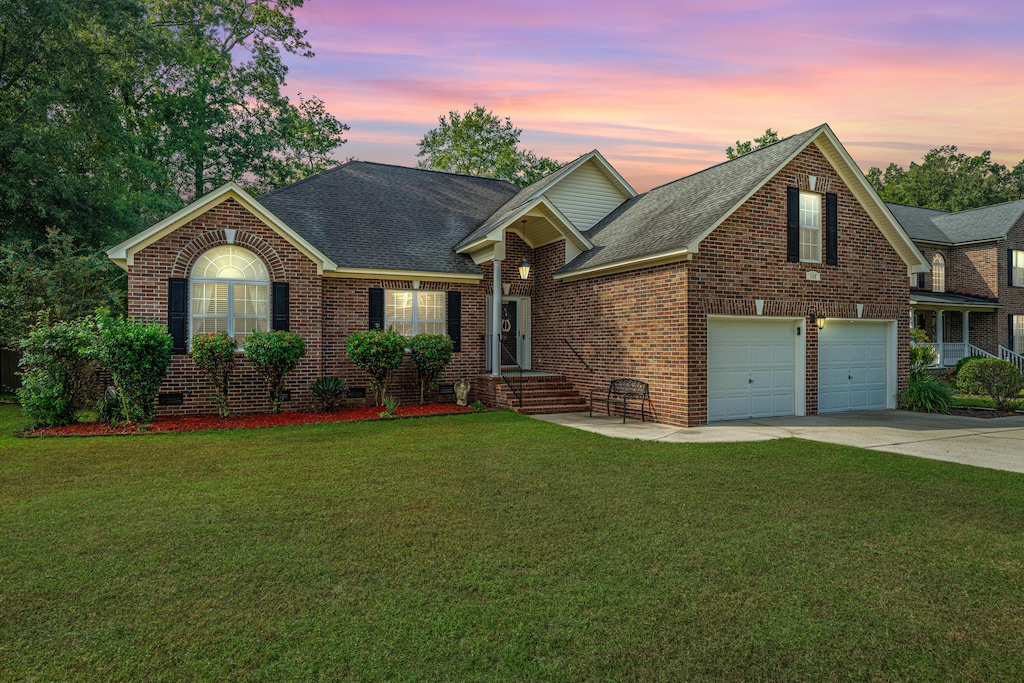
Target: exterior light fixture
524 269
821 323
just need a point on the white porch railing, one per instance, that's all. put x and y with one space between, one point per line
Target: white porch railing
948 353
1013 357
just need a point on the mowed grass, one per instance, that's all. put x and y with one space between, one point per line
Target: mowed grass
496 547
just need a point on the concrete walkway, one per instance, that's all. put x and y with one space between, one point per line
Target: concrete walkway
996 443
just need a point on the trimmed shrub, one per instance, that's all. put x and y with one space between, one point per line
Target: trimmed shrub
925 393
137 355
273 355
378 353
431 354
59 377
328 392
996 378
966 360
215 355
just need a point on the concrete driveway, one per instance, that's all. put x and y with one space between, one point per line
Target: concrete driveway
996 443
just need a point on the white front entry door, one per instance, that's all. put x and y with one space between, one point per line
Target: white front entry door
853 365
752 368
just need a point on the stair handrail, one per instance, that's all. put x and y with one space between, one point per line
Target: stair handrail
1012 356
577 354
973 351
514 385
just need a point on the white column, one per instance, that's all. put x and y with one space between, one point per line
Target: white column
496 318
966 329
938 337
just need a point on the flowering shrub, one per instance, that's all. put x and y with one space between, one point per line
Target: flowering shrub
431 354
274 355
378 353
214 354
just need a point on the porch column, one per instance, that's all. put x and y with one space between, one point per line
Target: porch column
966 329
496 318
938 337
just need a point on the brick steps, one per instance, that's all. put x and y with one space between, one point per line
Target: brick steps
543 394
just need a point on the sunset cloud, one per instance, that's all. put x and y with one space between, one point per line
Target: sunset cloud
661 88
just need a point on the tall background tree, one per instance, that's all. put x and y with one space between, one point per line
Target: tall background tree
480 143
114 113
949 180
749 146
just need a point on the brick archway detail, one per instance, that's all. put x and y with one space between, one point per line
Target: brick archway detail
193 250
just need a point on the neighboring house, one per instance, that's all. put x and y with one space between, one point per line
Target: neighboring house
771 284
974 294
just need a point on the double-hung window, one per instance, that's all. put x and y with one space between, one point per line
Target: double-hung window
1017 268
230 293
810 227
1017 333
414 312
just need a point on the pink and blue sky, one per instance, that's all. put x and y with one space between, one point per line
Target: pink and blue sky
662 87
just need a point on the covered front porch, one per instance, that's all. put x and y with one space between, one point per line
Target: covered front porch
958 325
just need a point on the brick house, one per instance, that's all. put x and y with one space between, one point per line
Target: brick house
972 300
771 284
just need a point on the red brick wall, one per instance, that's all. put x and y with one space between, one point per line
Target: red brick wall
651 324
1012 298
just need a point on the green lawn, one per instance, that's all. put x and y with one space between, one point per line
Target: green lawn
495 547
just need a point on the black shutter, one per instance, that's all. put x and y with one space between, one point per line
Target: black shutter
177 313
455 317
920 280
831 229
282 302
376 308
793 224
1009 267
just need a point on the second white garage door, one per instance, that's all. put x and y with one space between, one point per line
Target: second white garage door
751 368
852 366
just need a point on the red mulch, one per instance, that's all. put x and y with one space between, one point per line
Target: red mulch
201 422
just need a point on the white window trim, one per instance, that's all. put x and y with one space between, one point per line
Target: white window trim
389 322
938 275
1018 339
230 313
817 230
1017 268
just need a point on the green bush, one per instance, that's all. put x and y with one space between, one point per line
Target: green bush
996 378
921 357
925 393
215 355
431 354
59 377
137 355
328 392
390 405
378 353
274 355
962 362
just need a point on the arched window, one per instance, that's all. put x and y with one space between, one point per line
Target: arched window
938 273
229 293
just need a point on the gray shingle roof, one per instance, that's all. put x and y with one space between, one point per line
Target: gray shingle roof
672 216
367 215
519 199
973 225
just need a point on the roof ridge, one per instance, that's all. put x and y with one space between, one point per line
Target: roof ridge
748 155
923 208
979 208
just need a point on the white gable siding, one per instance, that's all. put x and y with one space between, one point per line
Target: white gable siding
585 196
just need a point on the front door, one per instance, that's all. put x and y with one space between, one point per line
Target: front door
509 333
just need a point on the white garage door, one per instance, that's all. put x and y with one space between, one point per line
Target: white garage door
751 369
852 366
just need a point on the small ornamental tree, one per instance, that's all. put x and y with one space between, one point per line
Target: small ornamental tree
431 354
58 377
998 379
274 355
137 355
215 355
378 353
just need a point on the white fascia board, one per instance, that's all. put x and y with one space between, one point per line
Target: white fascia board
851 174
124 254
378 274
658 259
498 233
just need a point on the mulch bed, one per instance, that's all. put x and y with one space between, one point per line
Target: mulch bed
202 422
